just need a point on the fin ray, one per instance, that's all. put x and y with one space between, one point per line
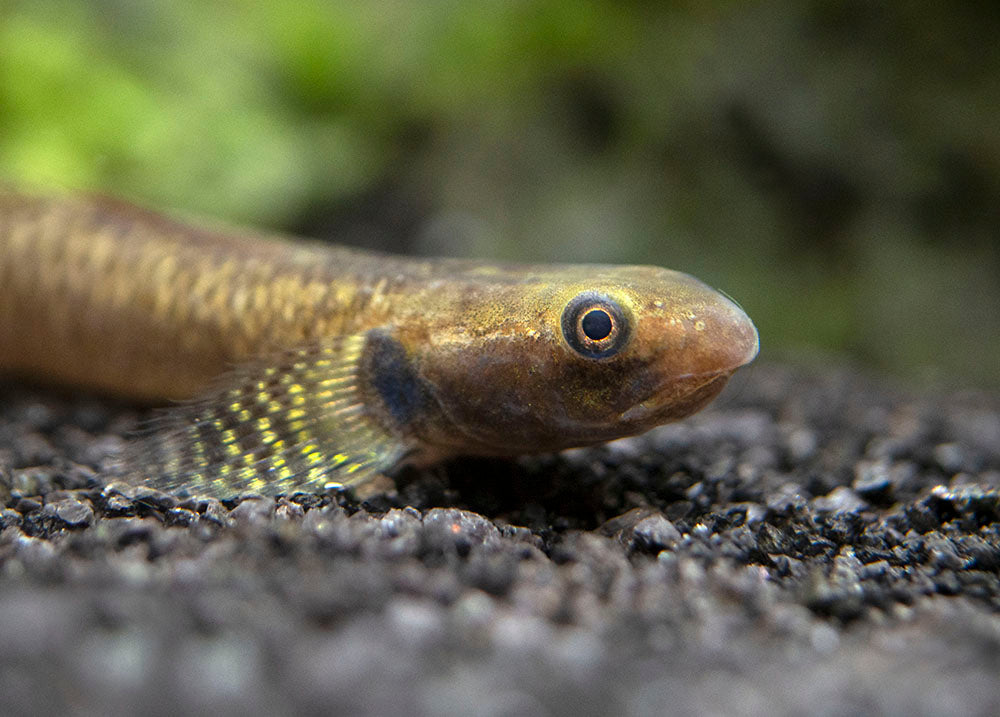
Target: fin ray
270 426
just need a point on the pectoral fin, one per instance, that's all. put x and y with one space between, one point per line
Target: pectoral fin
294 422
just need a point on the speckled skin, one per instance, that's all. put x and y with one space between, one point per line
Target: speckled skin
103 295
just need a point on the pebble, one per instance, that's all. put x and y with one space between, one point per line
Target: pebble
71 513
767 539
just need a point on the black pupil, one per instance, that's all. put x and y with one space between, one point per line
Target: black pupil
596 324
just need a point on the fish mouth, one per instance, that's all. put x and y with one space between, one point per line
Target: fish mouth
686 395
734 344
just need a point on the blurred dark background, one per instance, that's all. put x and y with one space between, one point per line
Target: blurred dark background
835 166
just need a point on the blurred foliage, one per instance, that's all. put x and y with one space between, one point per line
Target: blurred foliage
833 165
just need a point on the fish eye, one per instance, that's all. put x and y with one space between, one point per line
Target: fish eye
594 325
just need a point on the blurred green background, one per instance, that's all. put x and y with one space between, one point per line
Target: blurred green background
835 166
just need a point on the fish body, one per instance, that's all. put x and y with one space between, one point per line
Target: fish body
305 366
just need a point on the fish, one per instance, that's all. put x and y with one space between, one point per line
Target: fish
286 366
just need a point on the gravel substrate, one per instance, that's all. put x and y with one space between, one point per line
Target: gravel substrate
815 542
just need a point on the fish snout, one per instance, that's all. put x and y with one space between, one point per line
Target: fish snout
712 336
735 341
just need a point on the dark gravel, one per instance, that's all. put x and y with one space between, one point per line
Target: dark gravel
816 542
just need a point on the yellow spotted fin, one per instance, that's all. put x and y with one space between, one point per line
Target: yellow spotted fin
297 421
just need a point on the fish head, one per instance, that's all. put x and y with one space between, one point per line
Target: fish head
576 355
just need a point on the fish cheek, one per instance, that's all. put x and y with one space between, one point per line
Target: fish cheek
493 396
600 391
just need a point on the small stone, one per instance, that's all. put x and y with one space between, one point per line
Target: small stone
983 554
153 498
73 513
840 500
9 518
626 522
215 512
788 498
922 518
655 533
253 511
802 444
458 529
872 480
287 510
116 505
875 570
181 517
396 523
27 505
76 477
837 595
943 555
129 531
950 457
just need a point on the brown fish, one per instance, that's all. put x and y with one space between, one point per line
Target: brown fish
307 366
